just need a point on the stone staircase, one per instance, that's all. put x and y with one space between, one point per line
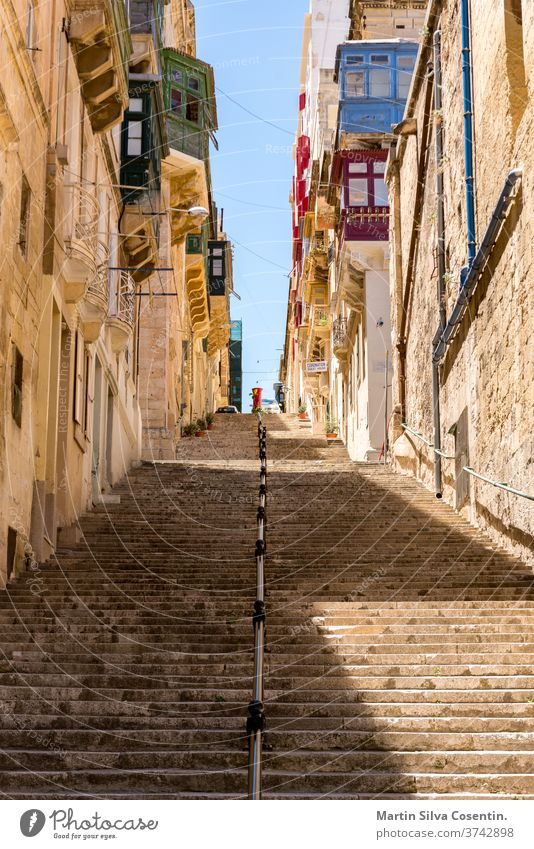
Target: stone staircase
400 656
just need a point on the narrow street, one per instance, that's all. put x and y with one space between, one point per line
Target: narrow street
400 641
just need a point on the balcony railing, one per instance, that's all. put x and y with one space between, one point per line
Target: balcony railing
82 212
80 216
99 285
339 332
125 298
365 223
320 317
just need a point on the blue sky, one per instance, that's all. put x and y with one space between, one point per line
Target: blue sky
255 49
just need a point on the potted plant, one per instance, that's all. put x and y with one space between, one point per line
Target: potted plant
190 429
303 414
210 419
201 427
331 428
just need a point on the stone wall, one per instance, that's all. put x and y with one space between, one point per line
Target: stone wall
487 375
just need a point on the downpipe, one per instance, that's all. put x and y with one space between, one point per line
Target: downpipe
468 132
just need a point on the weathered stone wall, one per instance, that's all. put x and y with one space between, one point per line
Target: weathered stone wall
488 371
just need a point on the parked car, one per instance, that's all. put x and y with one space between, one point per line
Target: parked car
271 407
229 409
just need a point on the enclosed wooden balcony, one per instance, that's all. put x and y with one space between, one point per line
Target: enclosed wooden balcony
101 44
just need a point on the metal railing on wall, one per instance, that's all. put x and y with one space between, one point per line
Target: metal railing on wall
256 713
468 469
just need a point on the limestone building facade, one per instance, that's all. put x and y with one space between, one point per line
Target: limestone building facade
337 358
88 180
462 255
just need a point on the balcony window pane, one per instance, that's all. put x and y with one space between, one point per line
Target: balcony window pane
358 194
135 138
381 193
358 168
355 84
354 60
403 84
176 101
406 62
379 167
176 76
135 104
379 84
380 60
193 83
192 110
217 267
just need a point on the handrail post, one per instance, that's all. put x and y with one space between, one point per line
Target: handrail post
256 714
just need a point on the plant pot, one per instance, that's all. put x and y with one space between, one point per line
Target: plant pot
331 435
303 416
210 427
200 433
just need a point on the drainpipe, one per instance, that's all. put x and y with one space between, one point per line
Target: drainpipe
438 105
444 337
468 133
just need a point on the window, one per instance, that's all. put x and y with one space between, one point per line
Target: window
381 193
24 223
379 84
358 193
192 108
380 60
405 66
135 104
17 370
355 84
358 168
354 60
11 550
177 76
80 384
135 138
176 101
193 83
368 187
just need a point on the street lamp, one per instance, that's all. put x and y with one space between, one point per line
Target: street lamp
195 210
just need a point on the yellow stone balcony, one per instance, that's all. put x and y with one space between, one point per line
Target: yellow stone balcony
197 295
219 334
188 188
99 35
139 242
120 321
81 212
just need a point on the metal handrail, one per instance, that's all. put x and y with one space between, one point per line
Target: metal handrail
430 444
468 469
256 718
